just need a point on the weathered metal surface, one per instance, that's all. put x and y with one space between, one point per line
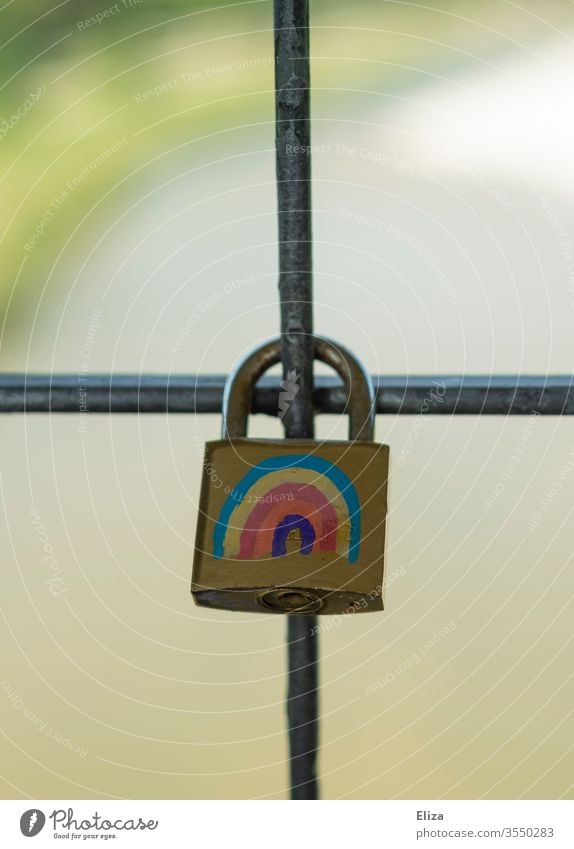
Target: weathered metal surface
293 158
293 162
519 395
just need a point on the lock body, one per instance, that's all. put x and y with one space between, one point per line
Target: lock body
296 526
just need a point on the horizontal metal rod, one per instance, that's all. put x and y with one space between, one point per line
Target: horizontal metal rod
414 395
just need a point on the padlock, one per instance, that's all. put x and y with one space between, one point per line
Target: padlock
291 525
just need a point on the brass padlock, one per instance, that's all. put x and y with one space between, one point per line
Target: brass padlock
293 526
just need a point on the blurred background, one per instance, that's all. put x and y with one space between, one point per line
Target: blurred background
138 233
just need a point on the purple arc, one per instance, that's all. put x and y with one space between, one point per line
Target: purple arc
286 525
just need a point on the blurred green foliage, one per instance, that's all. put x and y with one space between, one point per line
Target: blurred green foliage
93 75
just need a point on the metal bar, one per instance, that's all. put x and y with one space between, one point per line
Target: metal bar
293 157
503 395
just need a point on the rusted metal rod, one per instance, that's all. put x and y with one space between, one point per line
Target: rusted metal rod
487 395
293 157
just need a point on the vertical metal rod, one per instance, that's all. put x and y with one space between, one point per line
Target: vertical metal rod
292 139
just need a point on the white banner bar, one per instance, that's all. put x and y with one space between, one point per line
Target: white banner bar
265 824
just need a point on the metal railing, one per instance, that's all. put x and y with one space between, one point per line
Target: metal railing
496 395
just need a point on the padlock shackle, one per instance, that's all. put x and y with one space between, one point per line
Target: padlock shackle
241 381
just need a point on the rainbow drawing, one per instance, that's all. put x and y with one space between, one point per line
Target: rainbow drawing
281 494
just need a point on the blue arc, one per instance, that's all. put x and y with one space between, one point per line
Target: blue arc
292 461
